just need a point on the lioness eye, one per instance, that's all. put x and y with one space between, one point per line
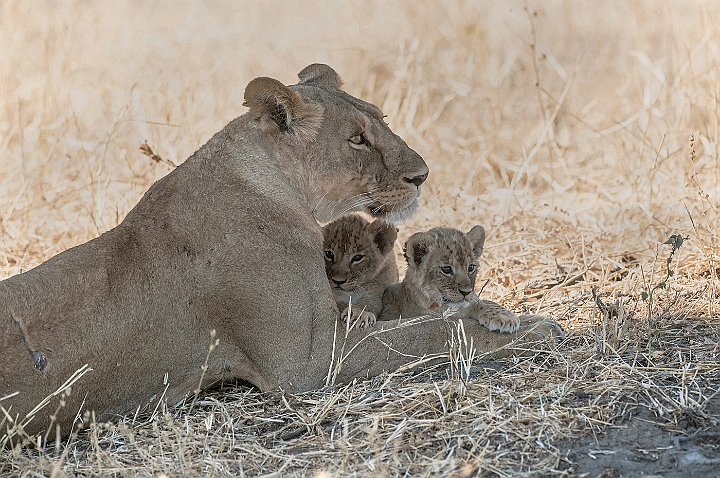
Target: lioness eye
329 255
471 268
359 139
446 270
357 258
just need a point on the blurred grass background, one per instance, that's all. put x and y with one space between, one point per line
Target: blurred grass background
562 127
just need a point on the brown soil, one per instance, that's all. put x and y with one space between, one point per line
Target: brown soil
642 445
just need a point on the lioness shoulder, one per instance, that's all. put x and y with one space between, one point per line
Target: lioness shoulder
360 265
442 268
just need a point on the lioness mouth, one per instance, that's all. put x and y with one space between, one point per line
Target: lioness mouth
378 211
455 305
392 214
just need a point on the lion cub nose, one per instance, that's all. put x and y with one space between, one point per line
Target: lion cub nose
339 282
417 180
465 292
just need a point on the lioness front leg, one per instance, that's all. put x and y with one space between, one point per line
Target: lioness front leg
493 316
359 316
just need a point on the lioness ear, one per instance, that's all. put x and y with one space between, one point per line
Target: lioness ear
477 239
280 110
319 74
417 247
384 235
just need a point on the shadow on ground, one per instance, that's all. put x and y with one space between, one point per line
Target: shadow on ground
641 446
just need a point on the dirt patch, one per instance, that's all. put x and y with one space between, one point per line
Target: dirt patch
643 446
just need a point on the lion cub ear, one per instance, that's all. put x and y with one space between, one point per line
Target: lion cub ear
384 235
280 110
417 247
477 239
319 74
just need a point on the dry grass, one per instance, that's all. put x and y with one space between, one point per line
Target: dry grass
564 130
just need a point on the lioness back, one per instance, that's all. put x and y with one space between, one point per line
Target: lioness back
360 265
442 268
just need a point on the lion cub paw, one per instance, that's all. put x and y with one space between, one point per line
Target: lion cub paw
496 317
360 318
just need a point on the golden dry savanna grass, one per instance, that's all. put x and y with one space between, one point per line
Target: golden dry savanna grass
564 128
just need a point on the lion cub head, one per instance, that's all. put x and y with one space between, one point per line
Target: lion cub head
442 265
356 251
336 149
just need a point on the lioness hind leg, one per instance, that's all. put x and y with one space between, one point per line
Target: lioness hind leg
359 317
494 316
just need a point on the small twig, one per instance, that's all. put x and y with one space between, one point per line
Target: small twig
147 151
675 241
213 343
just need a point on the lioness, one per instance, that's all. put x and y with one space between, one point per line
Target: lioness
227 243
360 265
441 273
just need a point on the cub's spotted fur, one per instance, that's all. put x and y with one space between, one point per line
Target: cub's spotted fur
442 267
360 265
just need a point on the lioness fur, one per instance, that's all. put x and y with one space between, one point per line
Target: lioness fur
227 242
441 274
360 265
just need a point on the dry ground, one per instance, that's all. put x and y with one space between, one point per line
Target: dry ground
564 128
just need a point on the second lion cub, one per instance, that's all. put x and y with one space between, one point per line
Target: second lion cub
360 265
442 267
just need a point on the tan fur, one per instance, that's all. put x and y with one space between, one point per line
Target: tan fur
227 242
442 268
360 265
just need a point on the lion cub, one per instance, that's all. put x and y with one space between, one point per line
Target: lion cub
442 267
360 265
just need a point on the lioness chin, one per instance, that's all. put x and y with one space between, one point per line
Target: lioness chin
227 242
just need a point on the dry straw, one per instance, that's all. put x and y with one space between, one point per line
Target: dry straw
562 128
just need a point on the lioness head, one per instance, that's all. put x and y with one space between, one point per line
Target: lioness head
442 264
355 251
348 158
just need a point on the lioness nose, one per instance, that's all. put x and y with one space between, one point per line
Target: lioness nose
339 282
465 292
417 180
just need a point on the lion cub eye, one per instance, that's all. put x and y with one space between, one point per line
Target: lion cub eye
471 268
356 258
446 270
359 140
329 255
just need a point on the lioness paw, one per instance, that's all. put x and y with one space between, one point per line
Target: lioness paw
538 327
496 317
359 318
